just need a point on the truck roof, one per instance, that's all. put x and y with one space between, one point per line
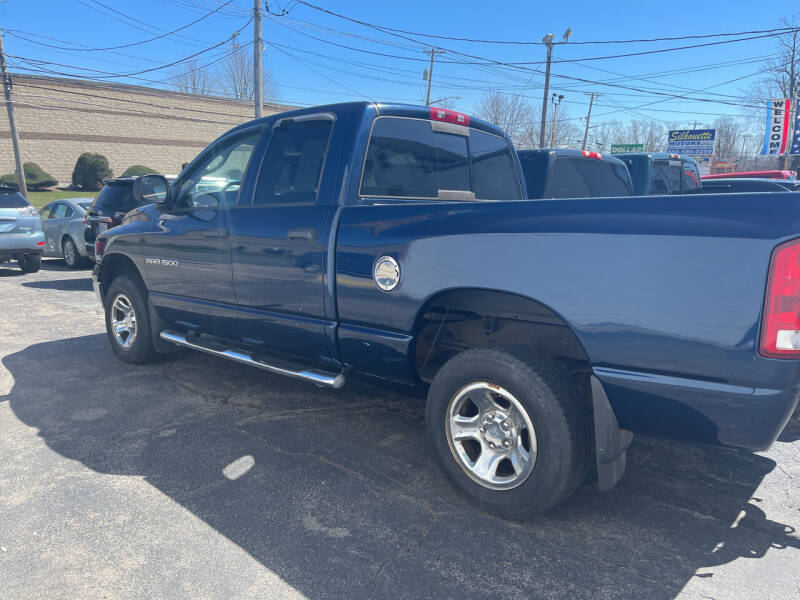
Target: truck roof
380 108
572 153
654 156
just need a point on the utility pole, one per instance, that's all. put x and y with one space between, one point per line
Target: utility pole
548 41
12 123
258 86
556 100
429 76
588 116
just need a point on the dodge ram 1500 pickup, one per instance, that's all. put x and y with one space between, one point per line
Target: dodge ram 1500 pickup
395 243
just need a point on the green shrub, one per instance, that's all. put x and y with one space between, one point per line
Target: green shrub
90 171
35 177
137 170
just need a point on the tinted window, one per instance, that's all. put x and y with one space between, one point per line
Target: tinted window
216 179
586 177
44 213
691 177
115 197
85 205
534 169
293 163
12 200
406 158
494 174
665 179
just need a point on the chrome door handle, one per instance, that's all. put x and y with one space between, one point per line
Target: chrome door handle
302 234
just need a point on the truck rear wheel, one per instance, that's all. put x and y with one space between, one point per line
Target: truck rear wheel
508 428
128 322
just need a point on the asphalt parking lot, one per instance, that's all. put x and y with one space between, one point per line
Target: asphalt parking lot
198 478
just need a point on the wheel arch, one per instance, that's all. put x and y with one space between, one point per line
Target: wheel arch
461 318
114 265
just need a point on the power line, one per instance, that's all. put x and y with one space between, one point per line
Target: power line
139 43
777 30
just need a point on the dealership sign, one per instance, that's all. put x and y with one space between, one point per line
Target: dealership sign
779 136
693 142
620 148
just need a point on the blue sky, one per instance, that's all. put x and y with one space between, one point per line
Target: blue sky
310 65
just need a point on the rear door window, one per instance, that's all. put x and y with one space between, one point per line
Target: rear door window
588 177
407 159
494 172
292 166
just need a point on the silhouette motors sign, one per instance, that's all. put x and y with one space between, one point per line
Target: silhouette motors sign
692 142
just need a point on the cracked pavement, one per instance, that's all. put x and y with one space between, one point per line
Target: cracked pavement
200 478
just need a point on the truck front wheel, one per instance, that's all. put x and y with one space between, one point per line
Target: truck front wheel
509 429
128 322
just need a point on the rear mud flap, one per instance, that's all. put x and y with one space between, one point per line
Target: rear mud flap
611 442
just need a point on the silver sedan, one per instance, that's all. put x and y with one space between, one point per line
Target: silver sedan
62 222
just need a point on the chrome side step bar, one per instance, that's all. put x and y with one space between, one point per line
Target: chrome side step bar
246 358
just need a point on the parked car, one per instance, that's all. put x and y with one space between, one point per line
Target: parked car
567 173
63 222
775 174
739 185
393 243
114 200
658 173
21 236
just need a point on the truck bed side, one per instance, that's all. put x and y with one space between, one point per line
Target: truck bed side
664 294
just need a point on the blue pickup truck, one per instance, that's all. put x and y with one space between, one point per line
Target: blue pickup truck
395 244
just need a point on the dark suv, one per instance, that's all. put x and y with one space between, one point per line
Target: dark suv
114 200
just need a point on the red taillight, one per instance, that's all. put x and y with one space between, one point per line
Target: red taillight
40 243
780 329
675 156
449 116
587 154
100 247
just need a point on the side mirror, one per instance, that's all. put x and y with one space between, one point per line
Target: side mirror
153 188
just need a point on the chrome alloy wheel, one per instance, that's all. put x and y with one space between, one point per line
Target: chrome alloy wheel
123 321
70 253
491 436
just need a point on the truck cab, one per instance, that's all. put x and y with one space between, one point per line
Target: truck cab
660 173
569 173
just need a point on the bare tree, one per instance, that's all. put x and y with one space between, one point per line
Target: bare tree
729 141
190 77
513 114
236 75
652 134
782 73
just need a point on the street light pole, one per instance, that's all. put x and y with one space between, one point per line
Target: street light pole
548 41
556 100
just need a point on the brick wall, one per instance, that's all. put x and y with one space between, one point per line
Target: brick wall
58 119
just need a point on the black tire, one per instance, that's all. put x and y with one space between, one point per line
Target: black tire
561 424
141 348
77 260
30 263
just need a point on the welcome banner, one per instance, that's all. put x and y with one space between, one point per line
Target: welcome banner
778 134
